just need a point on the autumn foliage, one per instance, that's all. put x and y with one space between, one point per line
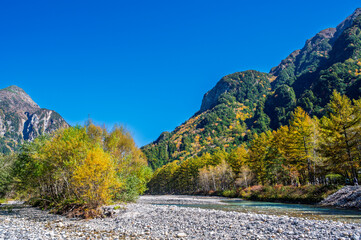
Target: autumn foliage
85 167
307 151
95 178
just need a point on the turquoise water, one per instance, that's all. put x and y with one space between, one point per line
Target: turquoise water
293 210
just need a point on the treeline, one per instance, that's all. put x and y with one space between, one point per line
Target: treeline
307 151
78 169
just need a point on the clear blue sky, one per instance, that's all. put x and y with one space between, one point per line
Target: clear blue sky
147 64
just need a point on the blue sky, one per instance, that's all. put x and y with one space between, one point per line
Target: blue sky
147 64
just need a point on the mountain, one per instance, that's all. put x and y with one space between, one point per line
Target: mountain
250 102
328 61
21 119
225 118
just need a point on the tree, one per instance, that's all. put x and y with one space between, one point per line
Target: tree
340 135
129 161
58 156
216 178
162 180
185 176
94 179
245 177
258 151
282 165
237 159
280 105
6 176
301 142
204 180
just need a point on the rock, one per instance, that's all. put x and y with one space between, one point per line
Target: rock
181 235
108 211
346 197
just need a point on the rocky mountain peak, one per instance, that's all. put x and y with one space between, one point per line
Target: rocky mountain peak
233 84
15 99
210 99
346 23
328 32
15 89
21 119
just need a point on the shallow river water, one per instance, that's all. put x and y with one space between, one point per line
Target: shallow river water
293 210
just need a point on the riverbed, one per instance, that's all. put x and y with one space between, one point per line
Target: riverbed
162 217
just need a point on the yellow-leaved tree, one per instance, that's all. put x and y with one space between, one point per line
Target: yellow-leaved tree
237 159
130 163
302 143
258 159
94 179
340 135
287 172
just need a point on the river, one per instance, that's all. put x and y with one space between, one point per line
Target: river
271 208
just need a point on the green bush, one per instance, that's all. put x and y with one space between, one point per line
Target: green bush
229 193
6 176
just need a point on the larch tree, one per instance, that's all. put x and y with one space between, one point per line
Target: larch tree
302 142
258 151
287 170
340 135
237 158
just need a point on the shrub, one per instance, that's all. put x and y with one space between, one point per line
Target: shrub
79 169
229 193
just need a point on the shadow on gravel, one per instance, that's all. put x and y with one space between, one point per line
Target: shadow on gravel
27 212
11 209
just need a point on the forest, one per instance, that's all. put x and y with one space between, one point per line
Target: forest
308 153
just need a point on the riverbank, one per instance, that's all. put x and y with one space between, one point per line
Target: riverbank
143 220
306 194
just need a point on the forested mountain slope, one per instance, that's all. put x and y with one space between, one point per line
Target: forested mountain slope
246 102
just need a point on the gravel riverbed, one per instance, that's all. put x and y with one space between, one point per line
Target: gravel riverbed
144 220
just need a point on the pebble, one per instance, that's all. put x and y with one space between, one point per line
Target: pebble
181 235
